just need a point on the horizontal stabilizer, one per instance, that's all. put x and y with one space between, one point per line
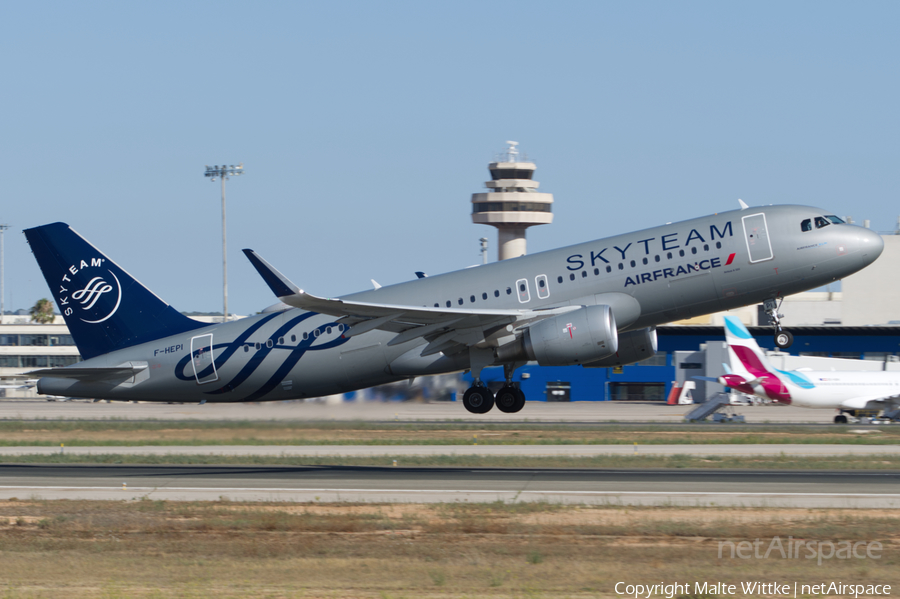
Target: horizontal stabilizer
88 374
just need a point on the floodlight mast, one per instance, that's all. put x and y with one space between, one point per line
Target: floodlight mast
224 172
3 228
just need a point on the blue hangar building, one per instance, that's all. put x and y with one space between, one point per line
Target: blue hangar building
678 346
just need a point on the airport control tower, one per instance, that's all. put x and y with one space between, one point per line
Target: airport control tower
512 203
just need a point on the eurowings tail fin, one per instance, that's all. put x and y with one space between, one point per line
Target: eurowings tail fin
747 359
104 307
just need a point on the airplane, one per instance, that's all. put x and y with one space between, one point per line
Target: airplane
845 391
594 304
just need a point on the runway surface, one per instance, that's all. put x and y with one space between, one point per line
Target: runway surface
480 450
814 489
585 411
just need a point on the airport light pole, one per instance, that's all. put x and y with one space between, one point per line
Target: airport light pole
3 228
224 172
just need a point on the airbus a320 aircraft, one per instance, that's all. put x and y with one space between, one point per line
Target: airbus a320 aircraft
845 391
594 303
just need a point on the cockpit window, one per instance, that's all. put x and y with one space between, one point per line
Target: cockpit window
835 219
821 222
806 225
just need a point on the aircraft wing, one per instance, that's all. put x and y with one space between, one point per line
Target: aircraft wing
88 374
859 403
448 325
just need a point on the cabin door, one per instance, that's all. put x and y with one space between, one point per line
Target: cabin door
202 359
756 234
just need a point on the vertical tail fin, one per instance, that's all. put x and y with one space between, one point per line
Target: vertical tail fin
747 359
105 308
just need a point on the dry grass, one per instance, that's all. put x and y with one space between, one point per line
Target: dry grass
163 549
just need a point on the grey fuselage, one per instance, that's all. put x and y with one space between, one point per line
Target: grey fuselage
648 277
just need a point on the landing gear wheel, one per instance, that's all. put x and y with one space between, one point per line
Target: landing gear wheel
510 399
478 400
784 339
840 419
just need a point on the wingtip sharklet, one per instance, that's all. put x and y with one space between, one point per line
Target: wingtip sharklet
280 285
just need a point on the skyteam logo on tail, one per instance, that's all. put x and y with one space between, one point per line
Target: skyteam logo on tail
91 289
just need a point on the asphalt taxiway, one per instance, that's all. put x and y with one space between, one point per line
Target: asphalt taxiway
764 488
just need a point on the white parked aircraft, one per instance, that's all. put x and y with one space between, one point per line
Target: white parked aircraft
845 390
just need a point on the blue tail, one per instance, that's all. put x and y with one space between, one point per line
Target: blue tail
105 308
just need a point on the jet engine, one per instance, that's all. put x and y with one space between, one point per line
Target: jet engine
578 337
634 346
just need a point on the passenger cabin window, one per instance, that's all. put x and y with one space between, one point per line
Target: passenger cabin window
583 274
694 250
472 299
806 225
496 293
632 264
609 269
596 271
484 296
645 261
559 279
572 277
681 253
718 245
460 301
821 222
449 303
621 266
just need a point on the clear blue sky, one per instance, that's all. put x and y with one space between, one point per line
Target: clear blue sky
365 127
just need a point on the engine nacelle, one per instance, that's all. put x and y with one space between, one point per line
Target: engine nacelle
577 337
634 346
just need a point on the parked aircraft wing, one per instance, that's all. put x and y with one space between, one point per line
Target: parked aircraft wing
88 374
409 322
859 403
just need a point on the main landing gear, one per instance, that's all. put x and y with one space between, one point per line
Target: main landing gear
478 399
783 339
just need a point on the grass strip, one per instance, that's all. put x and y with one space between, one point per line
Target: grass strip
868 462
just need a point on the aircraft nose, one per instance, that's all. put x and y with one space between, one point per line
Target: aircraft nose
866 244
871 245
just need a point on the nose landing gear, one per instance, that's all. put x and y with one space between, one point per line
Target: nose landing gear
783 339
